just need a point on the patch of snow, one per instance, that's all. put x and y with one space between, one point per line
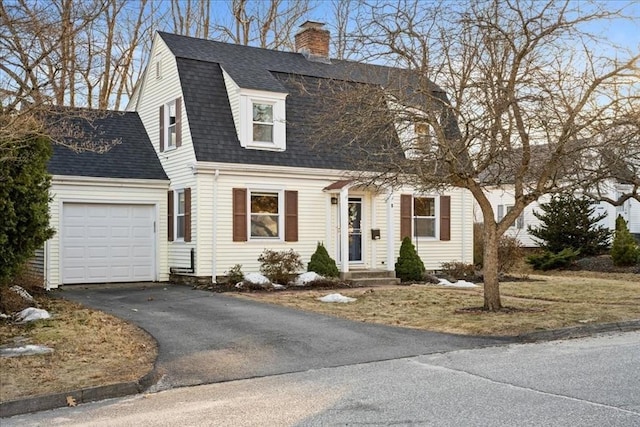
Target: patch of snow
278 286
26 350
30 314
458 284
256 278
238 285
305 278
336 298
4 316
22 292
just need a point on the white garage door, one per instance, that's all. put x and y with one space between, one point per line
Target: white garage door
107 243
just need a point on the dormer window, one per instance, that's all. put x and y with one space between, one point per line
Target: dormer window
262 122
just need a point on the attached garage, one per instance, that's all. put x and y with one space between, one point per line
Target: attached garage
108 206
107 243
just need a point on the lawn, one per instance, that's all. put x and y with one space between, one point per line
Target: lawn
91 348
545 302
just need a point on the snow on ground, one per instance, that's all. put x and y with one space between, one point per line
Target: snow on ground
25 350
22 292
256 278
279 287
336 298
305 278
458 284
30 314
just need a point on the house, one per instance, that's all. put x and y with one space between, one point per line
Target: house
502 200
239 174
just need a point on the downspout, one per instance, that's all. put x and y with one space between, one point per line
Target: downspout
214 250
390 232
464 234
45 266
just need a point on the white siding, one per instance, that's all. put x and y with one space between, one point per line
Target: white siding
233 90
177 162
317 222
105 191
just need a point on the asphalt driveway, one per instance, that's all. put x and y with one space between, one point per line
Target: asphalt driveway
206 337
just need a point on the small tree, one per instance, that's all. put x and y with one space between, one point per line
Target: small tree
624 251
409 265
322 263
24 204
569 222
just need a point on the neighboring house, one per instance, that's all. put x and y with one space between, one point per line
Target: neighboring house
227 126
502 200
108 208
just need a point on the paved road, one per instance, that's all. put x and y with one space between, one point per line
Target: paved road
206 337
586 382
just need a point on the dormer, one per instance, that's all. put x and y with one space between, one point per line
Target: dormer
259 116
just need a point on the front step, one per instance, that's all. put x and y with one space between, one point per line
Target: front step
370 277
382 281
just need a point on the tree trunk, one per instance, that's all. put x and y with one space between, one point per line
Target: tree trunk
490 269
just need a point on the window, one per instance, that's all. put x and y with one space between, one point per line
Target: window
180 215
170 120
519 224
262 122
419 142
424 216
265 215
158 67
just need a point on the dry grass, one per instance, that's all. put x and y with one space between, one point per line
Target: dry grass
91 348
549 303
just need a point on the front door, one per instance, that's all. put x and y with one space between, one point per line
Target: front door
355 229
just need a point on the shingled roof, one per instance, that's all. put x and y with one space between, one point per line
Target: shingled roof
87 134
200 63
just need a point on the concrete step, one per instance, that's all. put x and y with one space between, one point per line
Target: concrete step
380 281
369 274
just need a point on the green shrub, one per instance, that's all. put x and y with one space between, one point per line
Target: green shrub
409 266
550 261
235 274
458 270
280 266
322 263
24 203
624 251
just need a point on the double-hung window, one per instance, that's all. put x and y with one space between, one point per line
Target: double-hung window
180 214
265 215
170 110
262 122
424 216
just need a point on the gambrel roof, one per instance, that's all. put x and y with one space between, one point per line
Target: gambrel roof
200 66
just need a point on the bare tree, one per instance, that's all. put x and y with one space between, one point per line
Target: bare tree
270 24
525 96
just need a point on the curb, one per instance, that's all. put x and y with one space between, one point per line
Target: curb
579 331
92 394
84 395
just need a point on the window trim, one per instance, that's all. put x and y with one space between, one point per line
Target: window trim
167 114
435 217
176 209
278 101
281 214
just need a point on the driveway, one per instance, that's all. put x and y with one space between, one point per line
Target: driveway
206 337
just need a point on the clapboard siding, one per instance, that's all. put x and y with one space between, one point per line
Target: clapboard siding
106 191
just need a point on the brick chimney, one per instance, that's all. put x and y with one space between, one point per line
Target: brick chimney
313 40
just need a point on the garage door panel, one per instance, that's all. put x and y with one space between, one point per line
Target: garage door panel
107 243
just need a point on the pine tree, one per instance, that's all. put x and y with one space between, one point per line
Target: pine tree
625 250
409 266
322 263
569 222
